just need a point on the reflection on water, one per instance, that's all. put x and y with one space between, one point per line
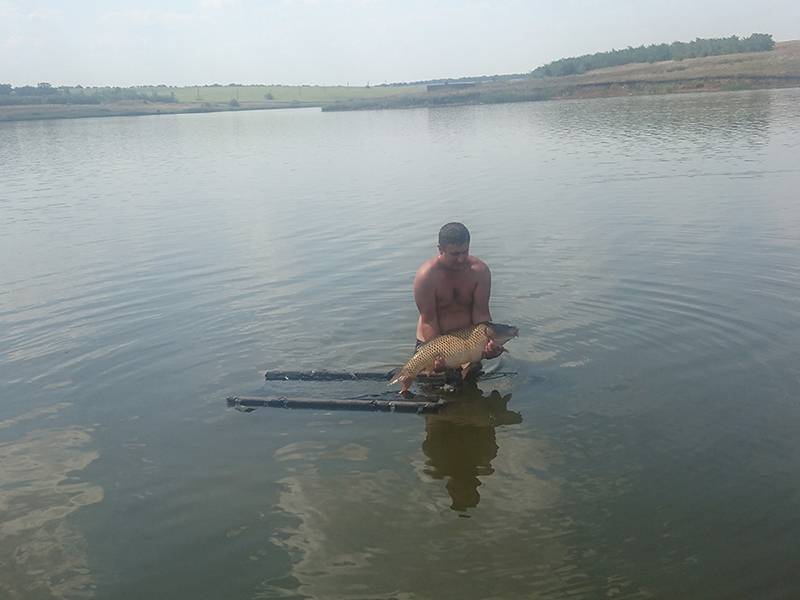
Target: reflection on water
364 525
743 119
41 553
647 248
461 443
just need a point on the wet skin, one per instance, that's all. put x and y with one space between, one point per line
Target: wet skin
452 291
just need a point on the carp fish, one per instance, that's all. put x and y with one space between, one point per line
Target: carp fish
457 348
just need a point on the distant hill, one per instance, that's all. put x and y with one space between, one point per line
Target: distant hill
757 42
777 68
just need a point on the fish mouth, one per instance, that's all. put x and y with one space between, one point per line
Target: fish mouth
508 331
500 334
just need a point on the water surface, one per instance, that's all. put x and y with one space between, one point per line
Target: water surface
648 249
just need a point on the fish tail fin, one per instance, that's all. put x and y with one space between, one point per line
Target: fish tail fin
403 377
398 376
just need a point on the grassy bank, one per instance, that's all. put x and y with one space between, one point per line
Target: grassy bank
774 69
758 70
199 99
116 109
306 94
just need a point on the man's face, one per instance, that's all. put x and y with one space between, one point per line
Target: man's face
453 256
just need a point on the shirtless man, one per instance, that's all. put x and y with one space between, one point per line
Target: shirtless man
452 290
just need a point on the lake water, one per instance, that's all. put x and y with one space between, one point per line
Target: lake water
648 447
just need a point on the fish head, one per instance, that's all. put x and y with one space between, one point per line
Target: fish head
500 333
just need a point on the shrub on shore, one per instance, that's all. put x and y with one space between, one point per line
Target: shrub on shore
44 93
757 42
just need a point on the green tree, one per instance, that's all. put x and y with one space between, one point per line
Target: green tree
757 42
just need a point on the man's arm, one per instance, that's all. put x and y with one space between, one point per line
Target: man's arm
480 307
425 297
480 297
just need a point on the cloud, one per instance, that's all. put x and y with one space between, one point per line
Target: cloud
137 16
331 3
300 2
8 10
43 14
218 4
21 41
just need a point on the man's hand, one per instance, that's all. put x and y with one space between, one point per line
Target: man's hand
492 350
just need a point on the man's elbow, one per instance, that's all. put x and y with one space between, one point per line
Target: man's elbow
481 317
429 328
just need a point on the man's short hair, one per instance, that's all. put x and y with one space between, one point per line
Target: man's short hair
453 234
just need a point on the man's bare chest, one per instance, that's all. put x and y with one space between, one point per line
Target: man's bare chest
455 291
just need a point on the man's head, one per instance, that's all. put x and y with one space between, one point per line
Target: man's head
454 245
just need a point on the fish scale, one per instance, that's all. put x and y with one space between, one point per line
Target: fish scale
457 347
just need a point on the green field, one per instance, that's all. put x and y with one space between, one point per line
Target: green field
741 71
280 93
777 68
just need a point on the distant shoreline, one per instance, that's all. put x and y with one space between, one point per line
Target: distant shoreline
35 112
775 69
585 91
778 68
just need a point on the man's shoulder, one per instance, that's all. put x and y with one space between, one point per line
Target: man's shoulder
427 265
476 265
427 270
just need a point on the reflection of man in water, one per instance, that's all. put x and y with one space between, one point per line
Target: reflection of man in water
461 443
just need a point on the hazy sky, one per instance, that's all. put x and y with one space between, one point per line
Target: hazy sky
182 42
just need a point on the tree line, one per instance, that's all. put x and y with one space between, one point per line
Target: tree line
757 42
45 93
